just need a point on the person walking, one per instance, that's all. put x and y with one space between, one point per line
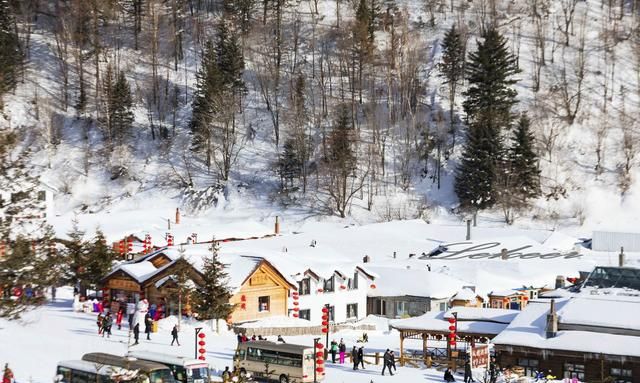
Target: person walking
7 375
392 360
354 357
386 362
174 335
107 322
148 321
448 376
119 316
493 371
361 356
468 378
131 312
342 349
99 321
136 333
334 350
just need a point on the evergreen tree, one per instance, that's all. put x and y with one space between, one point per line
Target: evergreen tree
211 299
341 162
118 105
524 162
99 260
488 103
75 255
289 163
10 50
452 68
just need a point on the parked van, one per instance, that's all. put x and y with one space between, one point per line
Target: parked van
185 370
277 361
80 371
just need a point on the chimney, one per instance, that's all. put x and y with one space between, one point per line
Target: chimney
621 257
366 259
552 321
177 216
277 225
559 282
468 230
503 254
394 255
168 223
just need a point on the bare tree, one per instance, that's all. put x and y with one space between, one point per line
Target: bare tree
568 8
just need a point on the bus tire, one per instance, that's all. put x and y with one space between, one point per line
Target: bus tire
284 378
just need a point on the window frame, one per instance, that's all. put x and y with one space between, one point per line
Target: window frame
301 284
355 305
571 370
329 284
301 314
260 310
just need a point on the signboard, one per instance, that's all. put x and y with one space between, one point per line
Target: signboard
123 284
495 250
480 356
259 279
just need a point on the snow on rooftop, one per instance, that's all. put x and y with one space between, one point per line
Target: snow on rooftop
140 270
465 294
276 321
397 281
482 314
601 311
505 293
437 321
528 330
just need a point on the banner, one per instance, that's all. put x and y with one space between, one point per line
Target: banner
480 356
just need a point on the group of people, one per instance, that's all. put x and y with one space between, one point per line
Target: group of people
242 338
339 349
494 371
105 324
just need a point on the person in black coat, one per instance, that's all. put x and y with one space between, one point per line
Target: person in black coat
354 357
448 376
493 371
386 362
174 335
136 332
392 361
468 377
361 356
148 321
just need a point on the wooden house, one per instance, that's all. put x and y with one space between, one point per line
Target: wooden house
259 289
508 299
466 297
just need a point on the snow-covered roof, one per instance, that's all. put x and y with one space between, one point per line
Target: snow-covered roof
505 293
141 271
276 321
528 328
437 321
395 281
601 312
483 314
465 294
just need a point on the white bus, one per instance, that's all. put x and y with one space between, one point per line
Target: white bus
154 372
80 371
277 361
184 370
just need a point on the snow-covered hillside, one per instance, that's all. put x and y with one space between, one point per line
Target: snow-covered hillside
137 185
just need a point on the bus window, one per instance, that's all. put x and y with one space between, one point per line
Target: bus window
161 376
180 374
240 354
198 375
292 360
254 354
66 374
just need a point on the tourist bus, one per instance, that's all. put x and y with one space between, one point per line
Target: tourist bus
155 372
184 370
80 371
277 361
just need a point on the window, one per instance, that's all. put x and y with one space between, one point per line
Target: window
263 303
621 375
574 370
287 359
530 366
305 314
329 284
443 306
352 310
304 286
42 195
331 314
401 308
353 282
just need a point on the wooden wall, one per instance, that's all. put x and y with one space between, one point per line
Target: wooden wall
263 282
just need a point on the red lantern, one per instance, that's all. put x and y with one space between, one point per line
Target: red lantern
295 315
320 290
324 330
295 303
319 361
201 343
320 354
296 309
201 357
294 294
325 310
373 286
202 350
324 323
201 335
525 298
243 306
452 320
319 346
452 328
343 287
243 298
319 369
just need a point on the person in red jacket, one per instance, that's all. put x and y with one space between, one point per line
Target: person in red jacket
119 316
7 376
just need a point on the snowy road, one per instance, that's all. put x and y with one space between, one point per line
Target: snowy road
33 345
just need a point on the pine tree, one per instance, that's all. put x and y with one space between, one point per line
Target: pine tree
524 162
341 162
121 104
75 255
99 259
452 68
488 107
10 50
289 164
211 299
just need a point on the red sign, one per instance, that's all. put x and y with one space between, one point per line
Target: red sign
480 356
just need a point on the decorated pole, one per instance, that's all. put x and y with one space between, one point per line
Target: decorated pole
200 351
